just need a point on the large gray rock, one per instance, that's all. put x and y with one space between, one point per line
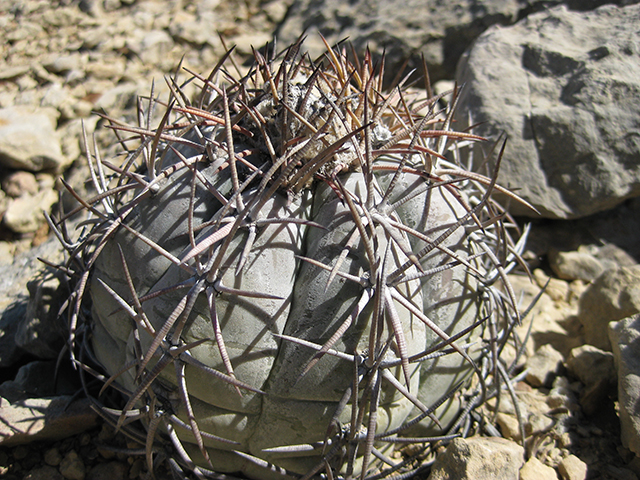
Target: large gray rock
625 338
564 86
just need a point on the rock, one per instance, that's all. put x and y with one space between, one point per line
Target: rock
192 29
563 86
441 31
534 469
42 333
14 295
152 47
608 236
10 353
44 473
245 43
625 338
109 471
534 412
543 366
35 379
28 140
561 396
6 251
617 232
14 71
509 426
596 370
551 317
614 295
68 105
118 97
38 419
479 458
572 468
52 457
24 214
575 265
622 473
60 64
18 183
72 467
557 289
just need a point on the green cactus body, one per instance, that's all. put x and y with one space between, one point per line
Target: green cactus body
289 311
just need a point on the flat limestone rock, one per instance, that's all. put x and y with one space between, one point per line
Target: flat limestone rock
37 419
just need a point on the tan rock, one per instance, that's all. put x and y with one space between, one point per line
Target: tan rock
557 289
24 214
479 458
549 315
614 295
20 183
534 469
28 140
572 468
543 366
575 265
509 426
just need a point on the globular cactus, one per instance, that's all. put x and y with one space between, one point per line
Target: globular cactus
293 273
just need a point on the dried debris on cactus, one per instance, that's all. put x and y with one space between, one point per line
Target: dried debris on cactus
294 274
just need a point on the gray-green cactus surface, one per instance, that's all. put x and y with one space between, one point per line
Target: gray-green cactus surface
292 273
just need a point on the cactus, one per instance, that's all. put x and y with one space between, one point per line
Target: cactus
302 305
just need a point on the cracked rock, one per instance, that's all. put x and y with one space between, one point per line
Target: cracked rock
563 86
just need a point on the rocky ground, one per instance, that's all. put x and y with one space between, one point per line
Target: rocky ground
63 60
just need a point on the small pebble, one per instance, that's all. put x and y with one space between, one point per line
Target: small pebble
20 452
46 472
72 467
137 468
85 439
108 471
52 457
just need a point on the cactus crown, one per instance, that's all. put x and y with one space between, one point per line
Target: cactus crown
363 194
